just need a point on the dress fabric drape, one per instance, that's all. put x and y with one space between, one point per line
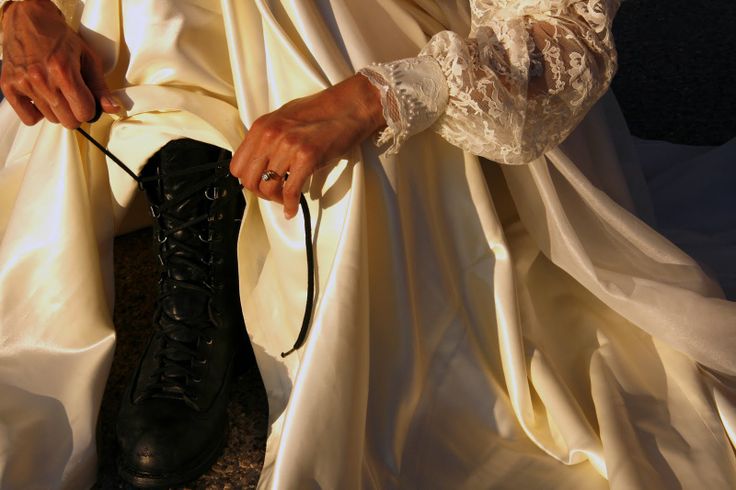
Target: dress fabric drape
476 325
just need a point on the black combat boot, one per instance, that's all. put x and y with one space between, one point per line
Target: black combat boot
173 419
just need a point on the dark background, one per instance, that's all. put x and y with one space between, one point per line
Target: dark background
676 78
677 69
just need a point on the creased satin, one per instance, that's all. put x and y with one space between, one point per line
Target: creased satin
475 326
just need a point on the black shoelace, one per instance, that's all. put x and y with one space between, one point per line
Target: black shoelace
171 328
178 340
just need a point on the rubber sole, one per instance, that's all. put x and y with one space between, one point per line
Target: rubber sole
191 472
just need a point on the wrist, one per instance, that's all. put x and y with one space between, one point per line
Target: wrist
369 103
15 6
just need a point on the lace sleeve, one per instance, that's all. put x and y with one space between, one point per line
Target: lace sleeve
515 88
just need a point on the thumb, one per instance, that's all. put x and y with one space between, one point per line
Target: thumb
95 79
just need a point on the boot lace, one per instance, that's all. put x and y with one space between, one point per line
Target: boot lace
177 341
181 371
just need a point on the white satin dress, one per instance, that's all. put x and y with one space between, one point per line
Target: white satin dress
477 324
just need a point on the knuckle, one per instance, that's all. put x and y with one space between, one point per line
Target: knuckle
36 74
271 132
56 66
293 140
18 78
259 123
234 169
307 153
59 63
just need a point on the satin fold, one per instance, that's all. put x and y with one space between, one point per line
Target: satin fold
475 325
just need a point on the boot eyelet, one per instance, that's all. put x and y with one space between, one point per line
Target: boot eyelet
155 211
161 240
210 234
215 193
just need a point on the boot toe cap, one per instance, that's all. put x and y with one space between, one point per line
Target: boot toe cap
168 443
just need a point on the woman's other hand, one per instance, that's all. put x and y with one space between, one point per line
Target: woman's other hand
48 70
303 135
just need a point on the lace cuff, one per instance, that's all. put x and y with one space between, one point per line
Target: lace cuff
414 95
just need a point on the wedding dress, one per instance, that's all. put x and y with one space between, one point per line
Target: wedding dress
511 321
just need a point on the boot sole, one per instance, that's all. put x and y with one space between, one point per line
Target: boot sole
148 480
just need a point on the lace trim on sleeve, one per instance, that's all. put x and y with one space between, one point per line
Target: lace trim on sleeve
516 87
413 95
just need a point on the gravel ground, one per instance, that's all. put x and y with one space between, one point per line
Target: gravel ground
675 83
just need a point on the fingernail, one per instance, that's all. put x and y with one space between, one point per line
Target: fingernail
109 100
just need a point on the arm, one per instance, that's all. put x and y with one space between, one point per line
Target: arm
523 80
528 73
48 69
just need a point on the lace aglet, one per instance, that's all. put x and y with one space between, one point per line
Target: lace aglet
284 354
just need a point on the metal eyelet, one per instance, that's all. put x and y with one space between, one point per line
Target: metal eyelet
210 235
215 193
155 211
160 240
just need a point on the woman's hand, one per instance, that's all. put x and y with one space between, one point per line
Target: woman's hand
48 70
303 135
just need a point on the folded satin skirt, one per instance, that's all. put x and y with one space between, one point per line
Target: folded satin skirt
475 325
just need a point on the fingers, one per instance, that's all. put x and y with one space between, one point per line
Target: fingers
78 97
94 76
22 106
292 190
271 189
250 159
57 95
59 91
295 170
49 100
279 147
